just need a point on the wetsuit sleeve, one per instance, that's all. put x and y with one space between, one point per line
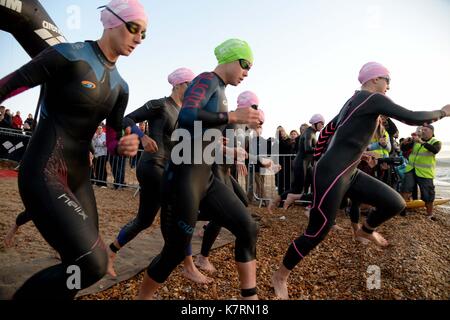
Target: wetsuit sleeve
114 122
38 71
309 148
325 136
383 105
196 98
433 148
147 112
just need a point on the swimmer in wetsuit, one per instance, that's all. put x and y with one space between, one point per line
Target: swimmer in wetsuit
83 87
189 184
246 99
22 25
336 174
302 165
161 115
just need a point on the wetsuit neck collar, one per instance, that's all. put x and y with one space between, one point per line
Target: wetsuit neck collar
101 56
221 80
171 101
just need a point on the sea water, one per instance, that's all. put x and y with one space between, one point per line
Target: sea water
442 180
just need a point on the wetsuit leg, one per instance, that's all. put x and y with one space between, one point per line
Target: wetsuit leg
354 210
212 230
210 235
23 218
228 211
61 202
385 199
298 180
328 194
150 180
72 230
308 179
239 191
183 189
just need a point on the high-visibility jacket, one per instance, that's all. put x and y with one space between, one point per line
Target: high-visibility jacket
422 160
379 150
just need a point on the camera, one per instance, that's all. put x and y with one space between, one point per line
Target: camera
394 161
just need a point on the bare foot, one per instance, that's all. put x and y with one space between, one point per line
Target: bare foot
279 284
290 200
336 228
204 264
375 237
194 275
201 231
355 228
274 203
306 212
9 239
110 269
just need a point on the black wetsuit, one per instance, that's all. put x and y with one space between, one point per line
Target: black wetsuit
212 229
303 164
335 174
162 116
82 89
190 187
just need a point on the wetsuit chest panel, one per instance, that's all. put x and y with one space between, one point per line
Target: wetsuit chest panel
85 91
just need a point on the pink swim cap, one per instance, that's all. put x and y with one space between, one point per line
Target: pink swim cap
128 10
247 99
317 118
181 75
372 70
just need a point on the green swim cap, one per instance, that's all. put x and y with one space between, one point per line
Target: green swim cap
232 50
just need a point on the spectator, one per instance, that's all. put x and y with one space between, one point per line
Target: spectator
30 122
100 156
421 167
303 128
5 119
391 129
283 177
294 139
17 121
261 149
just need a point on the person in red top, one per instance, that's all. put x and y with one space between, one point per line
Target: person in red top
17 121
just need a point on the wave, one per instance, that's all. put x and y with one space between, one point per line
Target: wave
443 162
442 183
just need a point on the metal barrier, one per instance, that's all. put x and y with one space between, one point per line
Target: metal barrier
263 185
118 171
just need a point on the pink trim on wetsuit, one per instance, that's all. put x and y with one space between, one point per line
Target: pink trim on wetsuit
323 197
356 109
335 180
14 92
295 247
90 250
